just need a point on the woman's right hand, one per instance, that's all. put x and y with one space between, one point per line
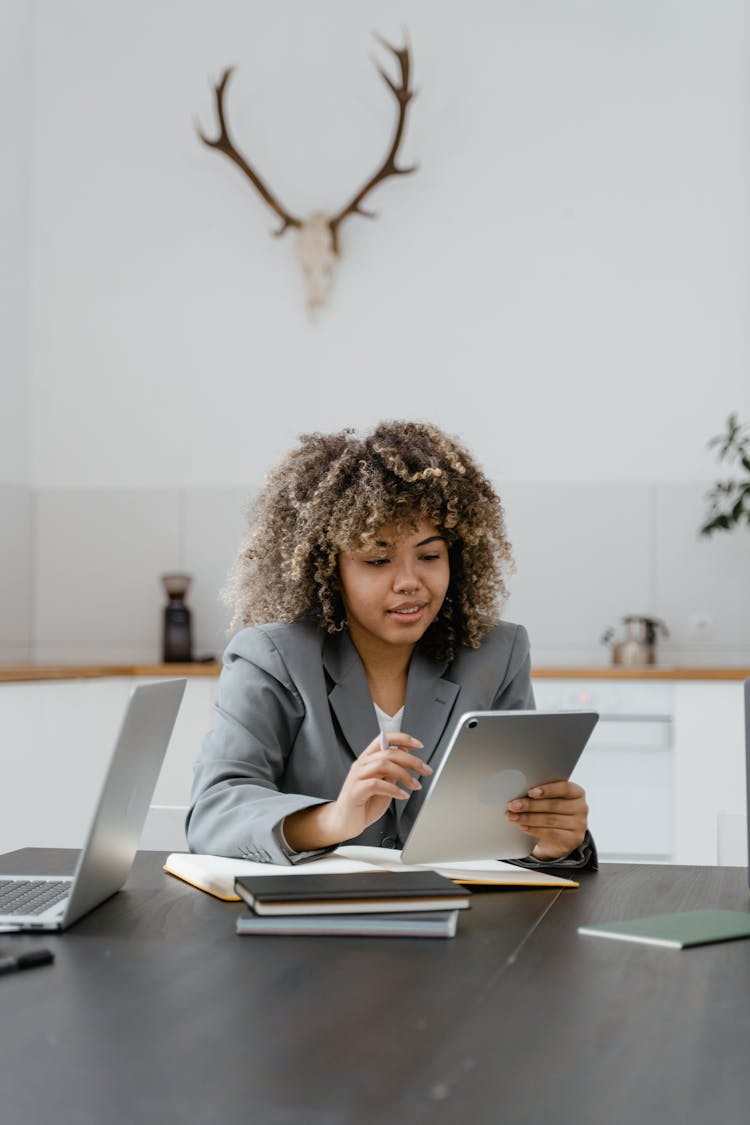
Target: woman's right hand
370 785
368 790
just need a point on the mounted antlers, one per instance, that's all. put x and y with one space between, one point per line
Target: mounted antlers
318 245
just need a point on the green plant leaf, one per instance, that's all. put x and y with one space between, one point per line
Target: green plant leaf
727 498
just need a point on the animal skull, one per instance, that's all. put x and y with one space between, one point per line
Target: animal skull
318 238
317 256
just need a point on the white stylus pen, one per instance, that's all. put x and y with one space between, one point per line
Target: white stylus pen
384 743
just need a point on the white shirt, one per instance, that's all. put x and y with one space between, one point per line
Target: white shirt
390 724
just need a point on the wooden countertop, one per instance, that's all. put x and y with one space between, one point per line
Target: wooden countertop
20 673
644 672
23 673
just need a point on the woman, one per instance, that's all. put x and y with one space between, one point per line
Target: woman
370 586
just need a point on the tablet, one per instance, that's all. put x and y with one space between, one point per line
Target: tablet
493 757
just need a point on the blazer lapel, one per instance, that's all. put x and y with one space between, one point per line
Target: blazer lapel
349 697
428 707
429 702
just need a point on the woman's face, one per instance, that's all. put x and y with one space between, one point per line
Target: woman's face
393 591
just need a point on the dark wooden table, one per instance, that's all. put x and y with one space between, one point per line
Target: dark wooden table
155 1011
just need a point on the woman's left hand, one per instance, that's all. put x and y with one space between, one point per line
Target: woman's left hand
556 814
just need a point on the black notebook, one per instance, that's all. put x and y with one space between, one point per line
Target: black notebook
360 892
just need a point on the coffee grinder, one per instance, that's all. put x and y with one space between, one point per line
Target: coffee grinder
177 645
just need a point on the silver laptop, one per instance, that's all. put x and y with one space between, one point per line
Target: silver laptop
493 757
39 902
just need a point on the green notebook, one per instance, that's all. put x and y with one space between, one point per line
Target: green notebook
677 931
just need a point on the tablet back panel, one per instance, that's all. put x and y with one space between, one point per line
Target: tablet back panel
493 757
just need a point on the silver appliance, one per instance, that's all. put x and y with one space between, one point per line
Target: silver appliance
638 646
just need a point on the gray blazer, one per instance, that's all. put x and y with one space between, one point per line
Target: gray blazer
294 710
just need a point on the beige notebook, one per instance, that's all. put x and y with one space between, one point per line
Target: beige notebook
216 874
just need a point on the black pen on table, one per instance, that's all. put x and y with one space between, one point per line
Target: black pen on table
14 964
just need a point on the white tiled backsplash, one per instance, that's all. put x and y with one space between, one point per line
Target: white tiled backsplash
79 570
15 572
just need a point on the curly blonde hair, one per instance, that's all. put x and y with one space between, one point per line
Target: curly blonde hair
334 492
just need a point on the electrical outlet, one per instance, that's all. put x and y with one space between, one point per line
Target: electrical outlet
700 625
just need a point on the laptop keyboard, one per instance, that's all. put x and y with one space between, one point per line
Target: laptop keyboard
30 896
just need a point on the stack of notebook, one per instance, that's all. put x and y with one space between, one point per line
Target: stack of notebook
374 903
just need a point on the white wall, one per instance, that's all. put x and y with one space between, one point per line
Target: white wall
15 127
16 115
564 282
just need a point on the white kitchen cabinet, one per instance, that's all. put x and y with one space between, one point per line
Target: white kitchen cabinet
164 827
57 739
664 771
626 771
627 765
709 771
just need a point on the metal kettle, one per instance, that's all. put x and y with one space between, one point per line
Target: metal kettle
638 646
